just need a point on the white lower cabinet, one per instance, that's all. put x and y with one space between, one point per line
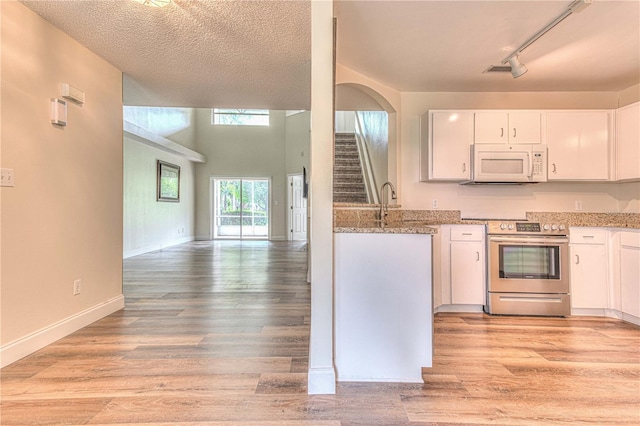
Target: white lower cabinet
605 272
630 273
463 264
589 272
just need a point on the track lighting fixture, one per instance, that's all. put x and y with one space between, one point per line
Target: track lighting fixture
517 67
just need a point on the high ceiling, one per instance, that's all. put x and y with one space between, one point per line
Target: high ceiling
257 54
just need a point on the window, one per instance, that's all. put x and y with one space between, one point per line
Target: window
240 117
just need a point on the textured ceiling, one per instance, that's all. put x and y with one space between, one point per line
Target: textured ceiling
257 54
238 54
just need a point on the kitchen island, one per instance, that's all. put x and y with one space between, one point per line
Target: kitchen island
383 303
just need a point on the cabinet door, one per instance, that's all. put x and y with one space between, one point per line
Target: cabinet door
628 142
589 276
452 136
467 273
630 274
524 127
578 144
491 127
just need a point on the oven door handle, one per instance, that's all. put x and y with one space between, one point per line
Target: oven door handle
520 240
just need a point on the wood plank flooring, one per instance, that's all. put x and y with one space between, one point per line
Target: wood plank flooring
217 333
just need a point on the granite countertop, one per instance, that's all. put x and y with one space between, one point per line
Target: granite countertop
373 227
426 221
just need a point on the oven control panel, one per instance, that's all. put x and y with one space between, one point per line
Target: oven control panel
514 227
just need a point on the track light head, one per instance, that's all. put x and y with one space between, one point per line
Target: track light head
517 67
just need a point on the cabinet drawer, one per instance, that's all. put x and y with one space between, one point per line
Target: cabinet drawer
630 239
464 233
587 236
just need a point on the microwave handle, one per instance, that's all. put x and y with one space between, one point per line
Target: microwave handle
530 165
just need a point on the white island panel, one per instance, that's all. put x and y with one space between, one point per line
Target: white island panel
384 316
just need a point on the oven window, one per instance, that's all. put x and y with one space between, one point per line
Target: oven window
529 262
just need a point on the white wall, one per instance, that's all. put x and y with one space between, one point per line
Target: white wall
375 129
321 376
149 224
297 141
241 151
499 201
63 219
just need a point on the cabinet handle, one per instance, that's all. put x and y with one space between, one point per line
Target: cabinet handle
554 167
514 132
501 132
577 259
464 167
477 256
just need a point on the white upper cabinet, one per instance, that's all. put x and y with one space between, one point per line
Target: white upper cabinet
628 142
507 127
578 145
451 137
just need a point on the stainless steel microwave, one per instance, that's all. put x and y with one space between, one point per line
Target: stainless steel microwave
505 163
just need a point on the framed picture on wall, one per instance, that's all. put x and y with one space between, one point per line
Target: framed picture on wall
168 182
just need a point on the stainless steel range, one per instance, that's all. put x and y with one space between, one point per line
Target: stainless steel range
528 268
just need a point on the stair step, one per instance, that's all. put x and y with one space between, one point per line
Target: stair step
342 198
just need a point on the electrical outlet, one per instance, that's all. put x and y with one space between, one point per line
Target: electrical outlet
76 287
578 205
6 177
434 204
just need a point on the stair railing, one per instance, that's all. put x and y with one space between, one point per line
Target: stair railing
365 161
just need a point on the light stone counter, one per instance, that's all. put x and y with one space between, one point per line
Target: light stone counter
365 219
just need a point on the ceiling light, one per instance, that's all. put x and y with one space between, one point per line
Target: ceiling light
154 3
517 67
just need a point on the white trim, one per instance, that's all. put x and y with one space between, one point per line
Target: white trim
321 381
13 351
278 238
458 308
155 247
607 313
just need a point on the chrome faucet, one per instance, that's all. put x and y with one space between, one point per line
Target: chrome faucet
384 202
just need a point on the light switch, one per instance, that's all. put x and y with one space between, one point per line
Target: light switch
6 177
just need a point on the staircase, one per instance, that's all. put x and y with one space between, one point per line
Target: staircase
348 183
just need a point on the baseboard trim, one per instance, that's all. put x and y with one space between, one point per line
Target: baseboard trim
321 381
458 308
154 247
607 313
13 351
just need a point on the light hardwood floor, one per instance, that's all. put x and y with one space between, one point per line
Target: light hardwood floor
217 334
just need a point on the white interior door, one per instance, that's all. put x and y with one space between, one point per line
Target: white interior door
297 209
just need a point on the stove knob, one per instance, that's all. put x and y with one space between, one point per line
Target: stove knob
546 227
561 227
503 226
554 227
511 226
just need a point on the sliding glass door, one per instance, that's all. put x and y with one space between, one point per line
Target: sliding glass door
241 208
